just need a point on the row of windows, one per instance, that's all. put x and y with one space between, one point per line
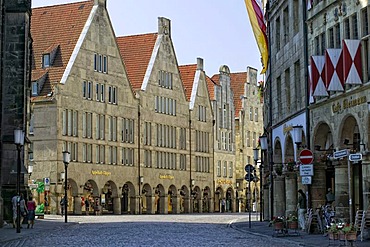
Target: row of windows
226 142
225 168
166 160
165 79
202 141
166 136
100 63
287 23
202 164
87 92
254 139
165 105
255 114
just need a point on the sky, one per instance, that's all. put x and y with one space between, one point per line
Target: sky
218 31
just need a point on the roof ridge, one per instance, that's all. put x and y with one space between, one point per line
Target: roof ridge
60 4
132 35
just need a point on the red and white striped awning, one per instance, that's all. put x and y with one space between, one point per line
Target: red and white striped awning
318 76
334 70
352 68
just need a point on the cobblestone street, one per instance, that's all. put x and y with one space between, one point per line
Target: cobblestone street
142 230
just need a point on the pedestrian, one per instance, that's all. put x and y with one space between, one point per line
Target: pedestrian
87 205
223 204
14 207
62 202
23 208
31 206
302 208
330 198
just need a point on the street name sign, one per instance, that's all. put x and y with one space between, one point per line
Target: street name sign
306 170
306 156
340 154
355 157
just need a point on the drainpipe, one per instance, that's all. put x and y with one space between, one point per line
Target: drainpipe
190 167
138 156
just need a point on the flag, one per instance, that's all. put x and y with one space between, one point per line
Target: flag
255 13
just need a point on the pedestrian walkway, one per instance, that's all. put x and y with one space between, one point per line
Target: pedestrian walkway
49 223
301 239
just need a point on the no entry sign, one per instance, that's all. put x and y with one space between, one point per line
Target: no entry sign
306 156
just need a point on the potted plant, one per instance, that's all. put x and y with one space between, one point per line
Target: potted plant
292 222
333 231
278 223
349 231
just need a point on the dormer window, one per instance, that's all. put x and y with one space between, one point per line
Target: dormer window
35 88
46 60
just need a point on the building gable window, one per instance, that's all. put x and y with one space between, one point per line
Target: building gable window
35 88
100 63
46 60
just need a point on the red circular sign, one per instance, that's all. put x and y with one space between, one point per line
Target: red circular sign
306 156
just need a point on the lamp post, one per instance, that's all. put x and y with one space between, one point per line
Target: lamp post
66 159
263 142
18 141
255 157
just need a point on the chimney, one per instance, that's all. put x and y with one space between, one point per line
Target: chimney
200 63
164 26
101 3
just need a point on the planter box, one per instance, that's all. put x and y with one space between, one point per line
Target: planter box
333 236
293 225
279 225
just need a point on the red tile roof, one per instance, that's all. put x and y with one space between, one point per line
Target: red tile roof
211 87
187 73
57 25
136 51
237 81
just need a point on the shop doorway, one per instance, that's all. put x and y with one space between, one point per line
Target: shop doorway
357 187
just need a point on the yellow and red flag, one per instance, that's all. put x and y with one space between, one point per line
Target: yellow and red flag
256 17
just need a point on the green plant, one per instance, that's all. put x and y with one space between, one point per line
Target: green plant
292 218
348 228
277 219
335 227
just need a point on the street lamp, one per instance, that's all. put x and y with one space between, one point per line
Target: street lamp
19 141
297 133
66 159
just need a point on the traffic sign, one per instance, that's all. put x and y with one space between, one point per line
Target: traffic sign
306 156
47 181
306 170
249 168
307 180
249 177
355 157
340 154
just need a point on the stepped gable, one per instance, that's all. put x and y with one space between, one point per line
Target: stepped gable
187 73
237 81
58 27
136 52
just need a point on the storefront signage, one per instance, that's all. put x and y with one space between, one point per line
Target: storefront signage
166 176
287 128
98 172
348 103
224 181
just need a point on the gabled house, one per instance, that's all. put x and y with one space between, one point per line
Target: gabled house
83 103
171 182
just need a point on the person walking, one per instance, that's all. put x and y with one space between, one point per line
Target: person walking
14 207
23 208
62 202
87 205
302 208
31 206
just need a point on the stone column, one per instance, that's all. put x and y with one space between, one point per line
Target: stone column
154 205
164 208
279 196
211 205
290 193
318 187
77 205
341 191
116 205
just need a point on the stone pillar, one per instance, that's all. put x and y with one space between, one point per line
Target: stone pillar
164 207
77 205
290 193
211 205
154 205
341 191
318 187
116 205
279 196
191 204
